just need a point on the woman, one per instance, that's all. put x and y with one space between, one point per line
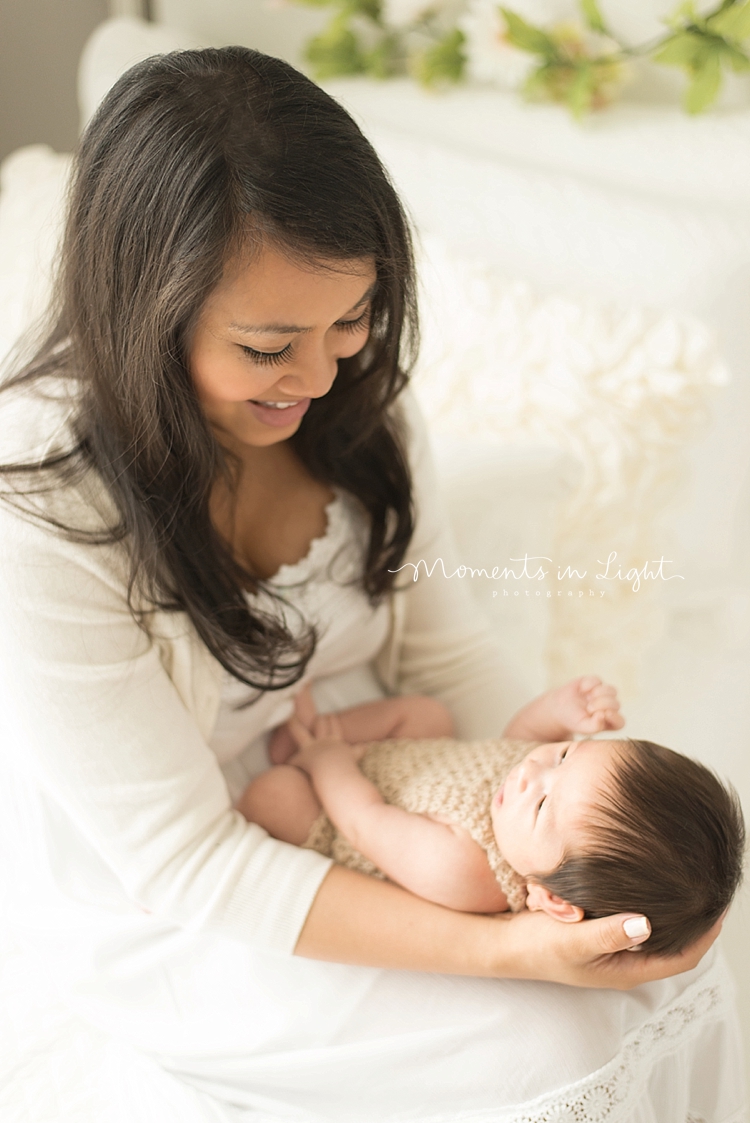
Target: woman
218 480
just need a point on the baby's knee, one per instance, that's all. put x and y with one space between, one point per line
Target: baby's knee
282 801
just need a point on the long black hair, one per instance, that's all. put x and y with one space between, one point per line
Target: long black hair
190 155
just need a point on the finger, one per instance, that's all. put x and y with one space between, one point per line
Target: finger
587 682
301 735
601 697
337 730
615 721
326 725
615 933
304 706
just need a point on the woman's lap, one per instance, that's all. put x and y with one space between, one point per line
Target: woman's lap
309 1040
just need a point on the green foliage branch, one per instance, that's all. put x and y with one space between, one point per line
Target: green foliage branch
581 65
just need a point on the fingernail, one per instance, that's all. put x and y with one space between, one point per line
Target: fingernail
636 926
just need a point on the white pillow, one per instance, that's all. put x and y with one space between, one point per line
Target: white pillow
618 389
112 48
32 194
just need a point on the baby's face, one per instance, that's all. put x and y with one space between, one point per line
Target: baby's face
542 808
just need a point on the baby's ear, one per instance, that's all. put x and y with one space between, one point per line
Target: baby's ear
540 899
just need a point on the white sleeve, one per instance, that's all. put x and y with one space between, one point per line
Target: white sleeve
87 707
445 648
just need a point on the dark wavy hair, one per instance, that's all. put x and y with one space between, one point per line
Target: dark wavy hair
191 156
667 840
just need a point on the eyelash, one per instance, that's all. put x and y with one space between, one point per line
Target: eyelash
541 801
275 358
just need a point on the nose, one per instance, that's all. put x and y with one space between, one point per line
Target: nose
314 377
528 773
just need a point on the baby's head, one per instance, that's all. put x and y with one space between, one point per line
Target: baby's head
622 826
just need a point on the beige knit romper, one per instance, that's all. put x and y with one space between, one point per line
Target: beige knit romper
456 779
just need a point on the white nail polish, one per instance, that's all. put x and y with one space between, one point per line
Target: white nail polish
636 926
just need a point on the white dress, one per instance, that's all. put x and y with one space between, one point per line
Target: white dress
257 1036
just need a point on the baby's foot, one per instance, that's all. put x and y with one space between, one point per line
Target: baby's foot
281 745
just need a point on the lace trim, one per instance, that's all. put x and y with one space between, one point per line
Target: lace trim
610 1094
336 531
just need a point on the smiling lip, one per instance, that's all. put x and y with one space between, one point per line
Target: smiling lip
279 418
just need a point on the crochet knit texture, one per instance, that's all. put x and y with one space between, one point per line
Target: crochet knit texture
455 779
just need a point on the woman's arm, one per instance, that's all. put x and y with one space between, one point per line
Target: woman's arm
358 919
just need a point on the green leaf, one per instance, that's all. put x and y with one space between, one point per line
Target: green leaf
527 38
733 23
593 16
737 59
683 13
706 83
536 85
336 51
383 60
444 61
581 91
682 49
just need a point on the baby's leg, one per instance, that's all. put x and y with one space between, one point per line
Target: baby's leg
406 715
283 802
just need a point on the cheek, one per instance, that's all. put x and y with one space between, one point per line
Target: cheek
221 377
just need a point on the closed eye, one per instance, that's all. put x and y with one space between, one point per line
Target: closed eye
353 325
270 358
539 805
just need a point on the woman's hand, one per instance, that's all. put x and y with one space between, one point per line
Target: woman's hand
592 953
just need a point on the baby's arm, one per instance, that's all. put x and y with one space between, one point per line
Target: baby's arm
585 705
437 861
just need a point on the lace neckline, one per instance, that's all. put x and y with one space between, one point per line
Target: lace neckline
291 573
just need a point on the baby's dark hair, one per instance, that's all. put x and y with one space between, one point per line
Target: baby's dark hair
668 841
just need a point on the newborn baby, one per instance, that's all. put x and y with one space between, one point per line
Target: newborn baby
577 828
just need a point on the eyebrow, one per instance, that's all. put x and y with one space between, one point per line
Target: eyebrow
293 329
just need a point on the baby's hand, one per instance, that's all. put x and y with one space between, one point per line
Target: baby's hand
325 737
586 705
281 744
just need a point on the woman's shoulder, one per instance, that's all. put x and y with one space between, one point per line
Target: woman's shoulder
36 429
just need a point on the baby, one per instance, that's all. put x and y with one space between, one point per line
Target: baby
577 828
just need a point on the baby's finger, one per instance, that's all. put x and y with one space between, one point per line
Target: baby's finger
600 692
588 682
604 706
328 725
304 706
614 720
299 732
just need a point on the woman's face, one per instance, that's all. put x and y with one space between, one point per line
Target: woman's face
268 340
542 809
